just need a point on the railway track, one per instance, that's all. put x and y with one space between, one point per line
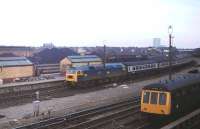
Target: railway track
189 121
96 118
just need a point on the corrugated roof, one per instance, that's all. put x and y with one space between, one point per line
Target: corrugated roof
98 67
14 61
87 58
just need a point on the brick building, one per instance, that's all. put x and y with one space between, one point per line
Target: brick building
15 67
75 61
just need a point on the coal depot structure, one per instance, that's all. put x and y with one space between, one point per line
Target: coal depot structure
12 68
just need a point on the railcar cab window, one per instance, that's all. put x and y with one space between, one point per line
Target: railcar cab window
71 71
162 98
146 97
79 72
154 98
91 67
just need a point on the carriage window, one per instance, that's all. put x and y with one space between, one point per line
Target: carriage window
154 97
146 97
162 99
129 69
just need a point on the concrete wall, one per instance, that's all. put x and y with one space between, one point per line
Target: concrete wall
26 86
16 72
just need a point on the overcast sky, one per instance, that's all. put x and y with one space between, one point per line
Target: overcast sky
95 22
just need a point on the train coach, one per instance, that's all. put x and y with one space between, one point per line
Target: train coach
171 97
113 72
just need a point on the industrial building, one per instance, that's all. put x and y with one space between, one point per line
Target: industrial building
17 51
156 42
12 68
75 61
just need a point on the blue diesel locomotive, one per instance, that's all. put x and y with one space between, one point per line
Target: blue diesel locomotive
98 73
113 72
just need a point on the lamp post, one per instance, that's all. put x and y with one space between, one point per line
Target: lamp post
170 30
104 54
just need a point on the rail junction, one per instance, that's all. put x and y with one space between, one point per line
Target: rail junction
130 89
24 92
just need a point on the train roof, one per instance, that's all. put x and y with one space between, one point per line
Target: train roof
149 61
108 65
140 62
179 82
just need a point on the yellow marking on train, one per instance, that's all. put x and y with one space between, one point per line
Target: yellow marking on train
156 108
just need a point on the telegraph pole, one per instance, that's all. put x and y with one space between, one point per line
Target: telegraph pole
170 30
104 54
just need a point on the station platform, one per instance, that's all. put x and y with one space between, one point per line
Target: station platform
32 85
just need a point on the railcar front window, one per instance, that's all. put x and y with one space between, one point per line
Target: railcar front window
146 97
71 71
162 99
154 98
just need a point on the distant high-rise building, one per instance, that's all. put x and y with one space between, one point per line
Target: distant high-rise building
48 45
81 51
156 42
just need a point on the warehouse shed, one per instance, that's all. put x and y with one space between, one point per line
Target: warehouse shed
12 68
75 61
